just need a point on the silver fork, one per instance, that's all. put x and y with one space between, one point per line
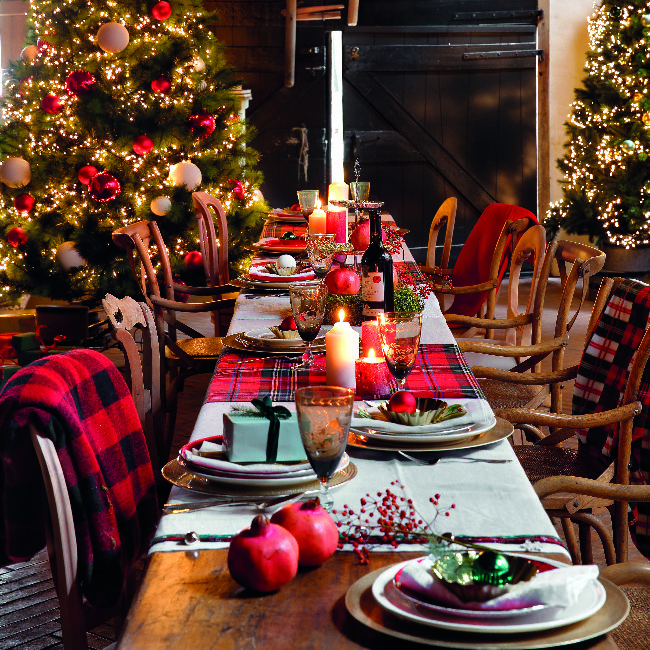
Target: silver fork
176 508
433 461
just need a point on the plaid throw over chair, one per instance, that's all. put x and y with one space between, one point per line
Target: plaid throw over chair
82 403
600 384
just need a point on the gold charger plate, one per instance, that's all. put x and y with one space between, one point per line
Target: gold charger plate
239 342
501 430
363 607
178 475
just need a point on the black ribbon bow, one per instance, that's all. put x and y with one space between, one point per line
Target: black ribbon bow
273 414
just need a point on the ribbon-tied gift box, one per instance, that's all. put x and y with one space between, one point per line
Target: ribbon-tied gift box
267 435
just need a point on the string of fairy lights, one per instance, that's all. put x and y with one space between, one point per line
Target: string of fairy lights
619 42
61 134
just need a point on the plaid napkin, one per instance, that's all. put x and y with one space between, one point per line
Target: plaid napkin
440 370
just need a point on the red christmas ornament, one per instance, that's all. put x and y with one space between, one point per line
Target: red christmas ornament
238 188
142 145
51 104
202 124
24 85
43 45
17 236
79 82
161 10
24 203
161 85
194 260
86 173
180 296
104 187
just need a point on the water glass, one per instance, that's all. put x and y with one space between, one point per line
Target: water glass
308 301
307 201
320 251
324 414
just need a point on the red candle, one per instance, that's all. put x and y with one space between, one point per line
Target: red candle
373 378
369 337
337 223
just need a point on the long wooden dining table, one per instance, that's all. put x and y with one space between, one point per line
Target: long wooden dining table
188 598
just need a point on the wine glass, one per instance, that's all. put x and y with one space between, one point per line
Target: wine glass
308 309
360 191
399 332
324 414
307 201
320 253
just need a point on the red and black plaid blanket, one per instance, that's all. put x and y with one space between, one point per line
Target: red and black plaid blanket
439 370
83 404
601 382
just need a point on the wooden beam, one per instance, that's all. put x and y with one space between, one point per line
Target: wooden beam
434 153
353 12
320 15
290 43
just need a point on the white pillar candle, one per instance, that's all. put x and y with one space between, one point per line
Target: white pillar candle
338 192
318 222
341 351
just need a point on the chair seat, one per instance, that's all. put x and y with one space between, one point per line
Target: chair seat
540 462
503 395
208 347
634 632
489 360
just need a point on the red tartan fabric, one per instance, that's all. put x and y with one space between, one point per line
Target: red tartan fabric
439 370
278 228
601 382
83 404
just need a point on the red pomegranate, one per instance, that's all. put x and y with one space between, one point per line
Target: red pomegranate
313 528
343 282
263 557
360 236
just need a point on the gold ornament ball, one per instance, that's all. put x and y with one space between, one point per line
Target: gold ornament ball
161 205
113 37
645 118
29 53
185 174
638 96
15 172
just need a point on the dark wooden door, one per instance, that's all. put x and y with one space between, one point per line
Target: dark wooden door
443 110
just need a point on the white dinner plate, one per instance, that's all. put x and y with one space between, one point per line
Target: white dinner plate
274 245
478 419
263 275
391 599
246 281
265 338
267 481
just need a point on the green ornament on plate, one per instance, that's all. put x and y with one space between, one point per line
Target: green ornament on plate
491 568
289 235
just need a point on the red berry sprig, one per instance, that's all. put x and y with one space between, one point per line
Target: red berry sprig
386 518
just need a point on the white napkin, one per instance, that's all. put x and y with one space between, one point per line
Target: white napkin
554 588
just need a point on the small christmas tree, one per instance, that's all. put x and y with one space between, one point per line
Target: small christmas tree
606 167
115 113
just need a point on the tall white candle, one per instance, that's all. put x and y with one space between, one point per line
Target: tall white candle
341 351
338 191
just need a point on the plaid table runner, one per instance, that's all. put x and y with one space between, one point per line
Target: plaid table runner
278 228
440 370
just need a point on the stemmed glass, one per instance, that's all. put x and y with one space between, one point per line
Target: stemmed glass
308 309
324 414
307 201
320 253
399 332
360 191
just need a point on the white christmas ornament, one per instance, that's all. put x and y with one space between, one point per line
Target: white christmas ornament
201 85
161 205
199 64
29 53
185 173
112 37
285 262
68 256
15 172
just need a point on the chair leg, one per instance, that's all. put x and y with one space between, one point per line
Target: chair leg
571 540
602 531
584 535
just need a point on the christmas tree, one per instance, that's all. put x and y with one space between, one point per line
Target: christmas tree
606 191
116 112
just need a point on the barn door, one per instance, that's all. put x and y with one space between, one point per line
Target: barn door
450 110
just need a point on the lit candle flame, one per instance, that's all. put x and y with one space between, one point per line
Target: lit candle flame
318 204
371 354
341 315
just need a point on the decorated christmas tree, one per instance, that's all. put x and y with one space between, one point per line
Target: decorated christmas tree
116 112
606 167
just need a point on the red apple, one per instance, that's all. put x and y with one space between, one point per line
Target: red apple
402 402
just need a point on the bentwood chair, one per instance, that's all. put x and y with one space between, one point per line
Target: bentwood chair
445 218
611 407
76 412
183 357
484 259
503 370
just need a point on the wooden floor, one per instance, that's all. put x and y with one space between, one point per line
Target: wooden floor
28 603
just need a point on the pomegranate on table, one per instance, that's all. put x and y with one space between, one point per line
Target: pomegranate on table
263 557
315 531
360 236
343 282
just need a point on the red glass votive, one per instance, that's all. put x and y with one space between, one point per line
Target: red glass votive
373 378
370 338
337 223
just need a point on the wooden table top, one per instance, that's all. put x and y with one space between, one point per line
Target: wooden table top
189 600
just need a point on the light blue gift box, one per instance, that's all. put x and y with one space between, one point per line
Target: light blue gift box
245 438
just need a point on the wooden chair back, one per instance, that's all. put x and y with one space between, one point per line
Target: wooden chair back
213 241
445 217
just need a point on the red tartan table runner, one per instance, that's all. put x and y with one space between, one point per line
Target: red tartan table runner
440 370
